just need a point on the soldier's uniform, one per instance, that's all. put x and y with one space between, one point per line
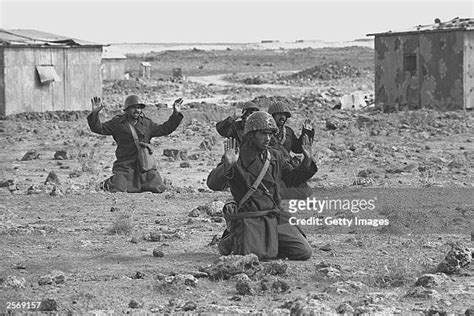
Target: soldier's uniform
266 199
234 128
126 173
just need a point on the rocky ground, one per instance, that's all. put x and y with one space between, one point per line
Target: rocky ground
75 248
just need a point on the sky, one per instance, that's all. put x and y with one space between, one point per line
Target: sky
228 21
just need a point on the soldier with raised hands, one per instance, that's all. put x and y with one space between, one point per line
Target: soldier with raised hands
131 130
255 220
233 127
285 139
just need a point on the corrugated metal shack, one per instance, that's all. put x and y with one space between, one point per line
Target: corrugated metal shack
113 66
46 72
428 66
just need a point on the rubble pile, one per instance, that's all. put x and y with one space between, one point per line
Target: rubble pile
49 116
458 257
327 71
242 268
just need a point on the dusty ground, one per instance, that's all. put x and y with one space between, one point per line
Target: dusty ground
77 249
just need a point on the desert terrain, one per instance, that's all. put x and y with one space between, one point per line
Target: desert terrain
68 247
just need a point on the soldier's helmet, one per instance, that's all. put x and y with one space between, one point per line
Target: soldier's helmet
259 121
132 100
250 106
279 107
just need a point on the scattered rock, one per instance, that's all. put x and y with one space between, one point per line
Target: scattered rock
328 71
48 304
194 156
345 287
185 164
153 237
240 277
13 282
458 257
333 124
469 311
35 189
172 153
277 267
7 183
56 191
30 155
423 293
279 286
187 279
431 280
345 308
138 275
158 253
134 240
319 296
52 178
199 274
236 298
435 311
73 174
189 306
245 287
194 213
60 155
213 209
326 247
227 266
134 304
56 277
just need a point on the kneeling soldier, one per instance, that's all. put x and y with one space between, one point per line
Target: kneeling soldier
256 222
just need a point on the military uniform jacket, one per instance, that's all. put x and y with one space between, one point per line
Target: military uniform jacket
232 128
290 143
247 168
120 130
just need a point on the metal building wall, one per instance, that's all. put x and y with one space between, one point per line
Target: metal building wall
113 69
469 70
437 81
441 70
77 67
2 83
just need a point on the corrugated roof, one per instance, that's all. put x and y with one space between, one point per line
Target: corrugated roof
28 37
455 24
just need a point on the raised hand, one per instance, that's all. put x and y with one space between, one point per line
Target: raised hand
177 105
231 151
307 147
97 104
308 124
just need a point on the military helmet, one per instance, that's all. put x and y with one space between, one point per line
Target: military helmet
132 100
259 121
250 106
279 107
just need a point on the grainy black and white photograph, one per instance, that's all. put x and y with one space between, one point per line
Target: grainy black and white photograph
262 157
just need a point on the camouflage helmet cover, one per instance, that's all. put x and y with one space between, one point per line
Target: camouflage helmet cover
279 107
259 121
250 105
